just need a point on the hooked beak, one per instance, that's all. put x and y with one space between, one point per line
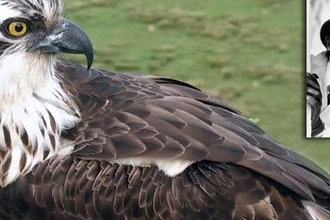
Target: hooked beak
67 37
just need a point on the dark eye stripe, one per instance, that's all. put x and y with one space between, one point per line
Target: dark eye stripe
3 47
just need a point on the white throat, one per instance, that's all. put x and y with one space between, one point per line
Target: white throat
34 110
21 75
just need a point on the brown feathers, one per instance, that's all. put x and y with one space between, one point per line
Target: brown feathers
238 172
84 189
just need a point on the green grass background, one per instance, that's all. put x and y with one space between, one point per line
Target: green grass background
249 53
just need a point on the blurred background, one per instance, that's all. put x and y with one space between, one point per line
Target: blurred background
249 53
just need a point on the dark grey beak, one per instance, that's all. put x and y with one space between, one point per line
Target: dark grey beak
67 37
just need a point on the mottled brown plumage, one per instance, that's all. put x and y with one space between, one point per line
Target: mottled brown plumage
90 189
239 172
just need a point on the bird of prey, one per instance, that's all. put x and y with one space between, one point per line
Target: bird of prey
83 143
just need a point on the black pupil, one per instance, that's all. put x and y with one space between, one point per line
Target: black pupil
19 27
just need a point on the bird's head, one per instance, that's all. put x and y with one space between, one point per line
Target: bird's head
37 26
32 33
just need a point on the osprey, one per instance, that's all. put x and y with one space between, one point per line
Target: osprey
81 143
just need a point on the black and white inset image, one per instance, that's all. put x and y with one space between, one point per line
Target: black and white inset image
318 69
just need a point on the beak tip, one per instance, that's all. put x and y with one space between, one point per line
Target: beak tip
67 37
90 59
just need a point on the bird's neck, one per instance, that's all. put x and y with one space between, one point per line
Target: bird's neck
34 110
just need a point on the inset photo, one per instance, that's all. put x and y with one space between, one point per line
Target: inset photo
318 69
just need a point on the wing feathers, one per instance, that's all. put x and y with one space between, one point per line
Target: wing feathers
92 190
134 116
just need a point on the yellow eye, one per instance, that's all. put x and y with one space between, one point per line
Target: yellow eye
17 28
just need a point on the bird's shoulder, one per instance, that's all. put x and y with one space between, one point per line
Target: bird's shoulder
133 86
